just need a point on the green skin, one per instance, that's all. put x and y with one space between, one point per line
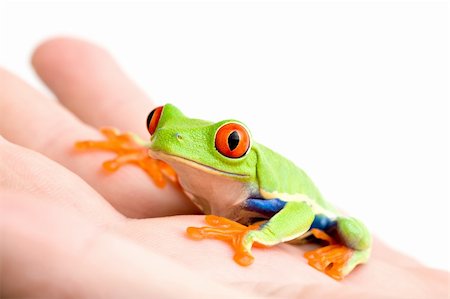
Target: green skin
220 185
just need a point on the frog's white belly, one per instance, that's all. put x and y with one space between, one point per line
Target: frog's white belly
213 191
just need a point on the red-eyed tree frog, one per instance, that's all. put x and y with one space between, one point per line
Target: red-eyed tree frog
251 194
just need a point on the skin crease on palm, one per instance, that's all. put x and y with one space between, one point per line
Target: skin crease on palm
70 229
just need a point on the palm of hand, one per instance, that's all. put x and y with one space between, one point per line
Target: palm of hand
82 232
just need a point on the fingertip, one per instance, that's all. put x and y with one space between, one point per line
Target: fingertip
64 50
88 81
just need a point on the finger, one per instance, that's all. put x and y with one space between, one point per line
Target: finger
48 252
87 80
24 170
34 121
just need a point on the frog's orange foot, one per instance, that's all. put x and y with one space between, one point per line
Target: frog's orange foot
330 259
129 151
226 230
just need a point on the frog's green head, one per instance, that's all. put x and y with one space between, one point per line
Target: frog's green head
223 148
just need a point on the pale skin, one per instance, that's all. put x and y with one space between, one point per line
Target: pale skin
69 230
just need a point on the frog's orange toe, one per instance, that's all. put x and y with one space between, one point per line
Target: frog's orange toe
226 230
330 259
220 228
109 132
217 221
195 233
122 159
243 258
129 151
82 145
111 165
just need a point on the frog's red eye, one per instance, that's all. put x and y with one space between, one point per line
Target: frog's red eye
232 140
153 119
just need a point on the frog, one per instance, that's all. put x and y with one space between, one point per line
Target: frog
251 195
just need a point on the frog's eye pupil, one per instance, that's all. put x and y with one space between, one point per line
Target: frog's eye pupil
233 140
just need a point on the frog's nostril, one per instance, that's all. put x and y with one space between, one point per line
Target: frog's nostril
178 136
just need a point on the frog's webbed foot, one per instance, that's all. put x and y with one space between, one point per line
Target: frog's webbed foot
130 150
229 231
332 259
339 259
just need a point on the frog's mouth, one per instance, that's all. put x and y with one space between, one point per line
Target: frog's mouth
172 159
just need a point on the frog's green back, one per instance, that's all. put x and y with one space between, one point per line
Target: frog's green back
278 175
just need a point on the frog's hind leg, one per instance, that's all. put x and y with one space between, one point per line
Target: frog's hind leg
338 260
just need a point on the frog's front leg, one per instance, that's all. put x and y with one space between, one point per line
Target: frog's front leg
224 229
292 220
130 149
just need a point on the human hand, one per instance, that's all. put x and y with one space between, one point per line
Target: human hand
69 229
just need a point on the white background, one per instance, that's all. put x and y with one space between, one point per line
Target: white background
355 93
